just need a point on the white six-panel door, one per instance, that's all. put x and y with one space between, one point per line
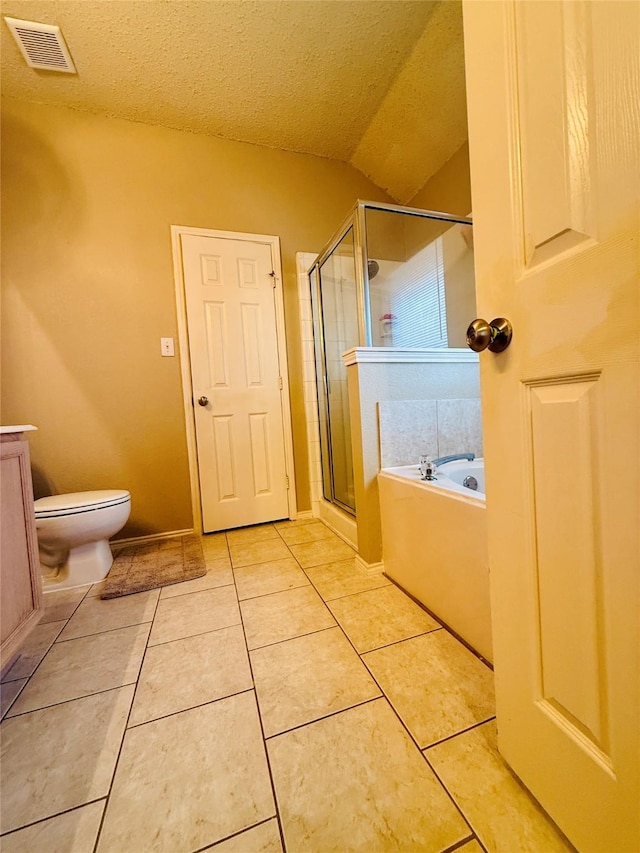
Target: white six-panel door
236 381
554 133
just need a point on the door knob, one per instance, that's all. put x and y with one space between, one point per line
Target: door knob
202 401
494 336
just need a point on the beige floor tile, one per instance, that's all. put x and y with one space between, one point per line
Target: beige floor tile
189 780
379 617
308 677
259 552
34 649
84 666
95 615
9 692
218 562
61 757
437 686
502 813
470 847
196 613
73 832
265 578
61 605
189 672
264 838
307 533
322 551
335 580
251 535
218 574
284 615
214 545
356 781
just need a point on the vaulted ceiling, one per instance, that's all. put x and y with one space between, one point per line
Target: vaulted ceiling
375 83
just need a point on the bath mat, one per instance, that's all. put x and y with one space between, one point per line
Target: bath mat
153 564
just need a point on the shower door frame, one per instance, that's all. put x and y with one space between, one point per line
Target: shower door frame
356 220
322 385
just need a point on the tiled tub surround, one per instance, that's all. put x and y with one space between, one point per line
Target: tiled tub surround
278 703
411 428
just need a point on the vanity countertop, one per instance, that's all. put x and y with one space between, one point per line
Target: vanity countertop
4 430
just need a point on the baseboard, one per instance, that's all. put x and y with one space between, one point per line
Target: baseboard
304 515
138 540
342 524
369 568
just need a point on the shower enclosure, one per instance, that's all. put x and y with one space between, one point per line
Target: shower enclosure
391 276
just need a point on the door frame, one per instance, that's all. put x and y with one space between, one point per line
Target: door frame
185 358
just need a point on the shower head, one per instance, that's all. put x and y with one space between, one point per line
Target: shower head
372 268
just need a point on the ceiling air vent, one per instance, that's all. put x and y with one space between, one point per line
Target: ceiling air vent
42 45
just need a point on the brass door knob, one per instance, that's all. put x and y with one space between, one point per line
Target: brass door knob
494 336
202 401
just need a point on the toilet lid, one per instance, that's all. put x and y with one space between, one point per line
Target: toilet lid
57 505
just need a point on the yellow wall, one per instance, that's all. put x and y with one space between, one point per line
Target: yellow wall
449 190
88 290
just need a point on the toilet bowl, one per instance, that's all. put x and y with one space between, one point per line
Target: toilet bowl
73 532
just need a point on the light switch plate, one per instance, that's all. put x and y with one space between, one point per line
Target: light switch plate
166 346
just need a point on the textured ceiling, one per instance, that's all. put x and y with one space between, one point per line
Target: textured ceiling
379 83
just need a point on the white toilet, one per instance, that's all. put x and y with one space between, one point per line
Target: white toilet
73 532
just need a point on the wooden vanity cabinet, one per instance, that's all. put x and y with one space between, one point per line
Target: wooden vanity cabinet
20 579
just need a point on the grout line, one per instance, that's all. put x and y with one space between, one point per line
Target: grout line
403 640
67 701
456 734
264 740
291 639
51 816
350 594
97 633
191 636
66 621
124 731
461 843
273 592
37 666
326 716
133 726
194 591
12 702
236 834
188 636
452 798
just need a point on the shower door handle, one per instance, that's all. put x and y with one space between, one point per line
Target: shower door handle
494 336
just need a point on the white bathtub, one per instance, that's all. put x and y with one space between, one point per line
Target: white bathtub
434 543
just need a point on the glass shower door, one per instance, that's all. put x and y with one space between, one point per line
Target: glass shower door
339 319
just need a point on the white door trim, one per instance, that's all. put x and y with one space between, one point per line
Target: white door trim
185 362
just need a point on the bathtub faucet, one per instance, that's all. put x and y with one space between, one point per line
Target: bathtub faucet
469 456
427 468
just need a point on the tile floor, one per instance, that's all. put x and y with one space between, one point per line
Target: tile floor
284 702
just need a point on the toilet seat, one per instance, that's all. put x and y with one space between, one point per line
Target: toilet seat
57 506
